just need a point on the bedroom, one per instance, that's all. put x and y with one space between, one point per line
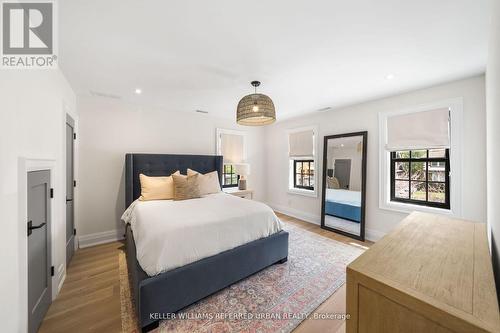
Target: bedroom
337 172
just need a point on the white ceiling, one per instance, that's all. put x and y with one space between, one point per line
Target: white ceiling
187 55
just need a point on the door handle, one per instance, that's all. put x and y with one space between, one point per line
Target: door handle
68 200
31 227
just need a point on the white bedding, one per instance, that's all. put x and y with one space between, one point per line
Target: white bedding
170 234
352 198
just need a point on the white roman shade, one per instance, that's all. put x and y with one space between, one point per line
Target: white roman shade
232 147
419 130
301 144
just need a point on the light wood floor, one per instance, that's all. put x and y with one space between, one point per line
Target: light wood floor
89 300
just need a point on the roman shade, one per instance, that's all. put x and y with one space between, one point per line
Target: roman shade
418 130
232 147
301 144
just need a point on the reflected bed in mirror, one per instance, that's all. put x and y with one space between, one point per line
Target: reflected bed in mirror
344 179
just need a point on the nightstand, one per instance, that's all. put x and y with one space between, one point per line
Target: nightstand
247 194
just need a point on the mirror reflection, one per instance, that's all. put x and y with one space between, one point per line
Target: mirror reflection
343 192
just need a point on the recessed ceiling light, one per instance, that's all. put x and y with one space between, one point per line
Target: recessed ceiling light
138 91
390 76
341 145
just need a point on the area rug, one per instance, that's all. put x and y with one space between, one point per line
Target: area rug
275 299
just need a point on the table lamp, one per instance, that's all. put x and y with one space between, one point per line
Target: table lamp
243 170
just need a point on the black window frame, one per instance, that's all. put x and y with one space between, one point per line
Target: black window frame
311 162
427 160
224 174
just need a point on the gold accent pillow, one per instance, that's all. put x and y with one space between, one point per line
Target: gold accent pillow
186 187
332 182
157 188
209 182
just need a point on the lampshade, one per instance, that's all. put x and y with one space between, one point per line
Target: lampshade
242 169
255 109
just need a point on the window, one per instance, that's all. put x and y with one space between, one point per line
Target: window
231 145
424 127
421 177
229 177
302 161
303 174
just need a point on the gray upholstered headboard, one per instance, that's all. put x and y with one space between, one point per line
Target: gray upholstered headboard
164 165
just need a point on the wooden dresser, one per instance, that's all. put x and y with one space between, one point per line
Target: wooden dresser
431 274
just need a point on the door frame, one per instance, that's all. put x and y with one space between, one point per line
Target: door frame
335 169
70 120
69 115
26 165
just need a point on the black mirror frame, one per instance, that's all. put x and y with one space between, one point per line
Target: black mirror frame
361 235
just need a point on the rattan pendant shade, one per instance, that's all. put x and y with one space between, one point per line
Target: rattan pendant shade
255 109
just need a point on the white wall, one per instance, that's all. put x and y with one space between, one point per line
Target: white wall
493 138
32 124
109 129
363 117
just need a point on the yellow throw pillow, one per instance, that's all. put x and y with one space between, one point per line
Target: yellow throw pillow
157 188
209 182
332 182
186 187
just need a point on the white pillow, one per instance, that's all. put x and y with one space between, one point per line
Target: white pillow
209 182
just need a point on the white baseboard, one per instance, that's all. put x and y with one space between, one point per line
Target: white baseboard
373 235
370 234
298 214
61 282
58 280
99 238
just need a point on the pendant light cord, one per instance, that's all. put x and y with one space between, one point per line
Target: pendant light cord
255 84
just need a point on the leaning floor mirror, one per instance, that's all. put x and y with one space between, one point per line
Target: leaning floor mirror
344 184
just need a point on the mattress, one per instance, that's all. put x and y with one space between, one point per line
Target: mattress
344 204
170 234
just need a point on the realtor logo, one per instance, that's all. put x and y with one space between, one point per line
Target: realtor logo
28 34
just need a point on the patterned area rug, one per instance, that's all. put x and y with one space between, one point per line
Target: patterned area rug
314 271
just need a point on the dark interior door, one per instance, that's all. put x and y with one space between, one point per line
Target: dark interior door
343 172
39 248
70 225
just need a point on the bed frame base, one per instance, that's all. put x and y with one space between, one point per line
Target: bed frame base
156 297
282 261
154 325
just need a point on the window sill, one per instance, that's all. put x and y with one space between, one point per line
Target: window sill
307 193
408 208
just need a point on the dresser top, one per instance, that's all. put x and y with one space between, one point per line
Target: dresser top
442 261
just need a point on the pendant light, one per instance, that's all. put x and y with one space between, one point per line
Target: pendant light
255 109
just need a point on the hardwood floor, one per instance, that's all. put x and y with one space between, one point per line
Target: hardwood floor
89 300
336 302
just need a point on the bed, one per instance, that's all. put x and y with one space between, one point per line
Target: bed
344 204
172 281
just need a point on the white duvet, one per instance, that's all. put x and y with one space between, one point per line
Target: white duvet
170 234
346 197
